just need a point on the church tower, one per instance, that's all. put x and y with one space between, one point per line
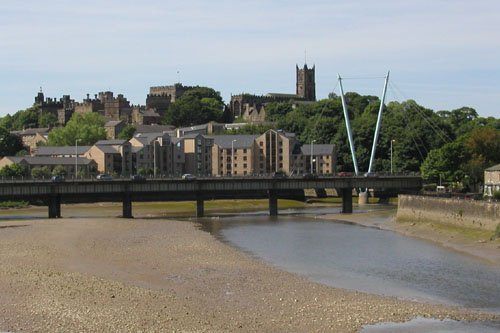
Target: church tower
306 86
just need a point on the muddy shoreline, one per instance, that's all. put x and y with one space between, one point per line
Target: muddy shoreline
112 274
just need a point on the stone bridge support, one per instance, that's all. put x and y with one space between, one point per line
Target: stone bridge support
346 200
273 203
54 206
127 205
200 208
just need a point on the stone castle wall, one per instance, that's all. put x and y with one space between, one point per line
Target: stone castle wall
460 212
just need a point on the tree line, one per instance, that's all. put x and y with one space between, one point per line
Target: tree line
453 147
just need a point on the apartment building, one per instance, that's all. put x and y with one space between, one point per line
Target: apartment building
198 154
112 156
234 155
273 151
152 151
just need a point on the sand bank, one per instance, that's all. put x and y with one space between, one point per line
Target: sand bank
111 274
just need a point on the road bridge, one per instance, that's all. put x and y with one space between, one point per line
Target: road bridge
199 190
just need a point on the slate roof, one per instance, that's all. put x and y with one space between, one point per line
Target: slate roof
108 149
56 150
494 168
110 142
318 149
46 160
113 123
153 128
242 141
32 131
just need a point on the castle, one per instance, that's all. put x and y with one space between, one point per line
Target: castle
117 108
252 107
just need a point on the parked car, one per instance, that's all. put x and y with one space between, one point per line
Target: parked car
345 174
137 178
370 174
57 179
104 176
309 175
188 176
279 175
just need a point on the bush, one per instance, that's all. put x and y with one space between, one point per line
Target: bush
497 231
496 195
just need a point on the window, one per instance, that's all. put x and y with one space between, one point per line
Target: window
245 165
244 151
244 158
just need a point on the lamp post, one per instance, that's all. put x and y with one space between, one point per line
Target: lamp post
392 141
76 158
312 159
232 156
154 155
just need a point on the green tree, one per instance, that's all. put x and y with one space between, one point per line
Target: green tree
59 170
196 106
26 118
277 110
88 128
40 172
14 170
47 120
9 144
127 132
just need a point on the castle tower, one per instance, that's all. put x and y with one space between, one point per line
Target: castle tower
306 86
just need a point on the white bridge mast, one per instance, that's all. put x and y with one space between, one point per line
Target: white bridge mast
377 126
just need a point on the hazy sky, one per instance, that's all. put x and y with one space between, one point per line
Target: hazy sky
443 54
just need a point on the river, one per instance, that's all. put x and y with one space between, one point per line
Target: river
366 259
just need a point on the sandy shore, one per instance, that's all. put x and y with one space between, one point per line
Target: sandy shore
111 274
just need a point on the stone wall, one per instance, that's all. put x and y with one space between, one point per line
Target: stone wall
460 212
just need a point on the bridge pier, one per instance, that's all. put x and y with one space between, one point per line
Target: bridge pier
346 200
273 203
200 208
127 206
54 206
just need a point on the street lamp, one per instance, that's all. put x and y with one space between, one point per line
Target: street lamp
392 141
232 156
312 160
157 140
76 157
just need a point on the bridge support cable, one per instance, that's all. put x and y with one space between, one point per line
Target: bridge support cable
273 203
348 126
379 122
346 200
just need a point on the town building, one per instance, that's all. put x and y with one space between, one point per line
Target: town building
492 180
160 97
113 128
33 137
273 151
252 108
152 153
112 156
86 167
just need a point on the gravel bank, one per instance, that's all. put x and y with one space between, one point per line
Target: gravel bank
108 275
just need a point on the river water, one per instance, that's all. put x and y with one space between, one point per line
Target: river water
364 258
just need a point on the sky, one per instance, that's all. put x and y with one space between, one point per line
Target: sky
444 54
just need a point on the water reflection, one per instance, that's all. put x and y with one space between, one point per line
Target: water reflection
365 259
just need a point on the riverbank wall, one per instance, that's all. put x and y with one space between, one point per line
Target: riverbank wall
459 212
